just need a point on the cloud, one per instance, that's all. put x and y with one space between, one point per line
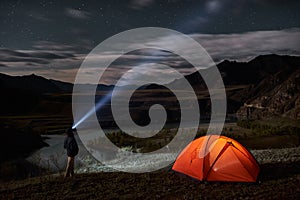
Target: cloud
148 73
77 14
140 4
81 45
39 16
47 45
244 46
2 65
239 47
13 55
61 61
197 21
21 62
213 6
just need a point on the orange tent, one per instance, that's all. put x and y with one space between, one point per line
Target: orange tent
217 158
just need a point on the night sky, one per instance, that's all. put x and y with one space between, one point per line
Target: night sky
51 38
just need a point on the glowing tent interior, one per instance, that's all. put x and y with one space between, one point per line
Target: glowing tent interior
217 158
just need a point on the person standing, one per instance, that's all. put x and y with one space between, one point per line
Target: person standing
71 146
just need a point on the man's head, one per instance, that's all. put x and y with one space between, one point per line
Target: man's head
70 132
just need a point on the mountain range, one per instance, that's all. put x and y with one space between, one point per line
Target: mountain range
266 86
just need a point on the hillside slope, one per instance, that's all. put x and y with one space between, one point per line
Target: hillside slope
277 94
266 86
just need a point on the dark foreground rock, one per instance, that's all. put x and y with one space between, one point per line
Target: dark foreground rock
16 143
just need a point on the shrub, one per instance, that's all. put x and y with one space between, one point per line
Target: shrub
259 129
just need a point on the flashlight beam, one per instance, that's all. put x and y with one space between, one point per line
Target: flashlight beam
94 109
106 98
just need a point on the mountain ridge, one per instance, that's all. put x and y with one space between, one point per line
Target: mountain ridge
247 83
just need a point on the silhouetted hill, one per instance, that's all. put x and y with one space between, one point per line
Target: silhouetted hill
63 86
16 101
17 143
32 83
235 73
270 81
276 95
29 94
252 72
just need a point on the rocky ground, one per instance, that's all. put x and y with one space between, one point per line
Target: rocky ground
277 155
279 179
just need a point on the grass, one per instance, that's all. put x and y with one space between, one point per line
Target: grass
271 127
253 136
